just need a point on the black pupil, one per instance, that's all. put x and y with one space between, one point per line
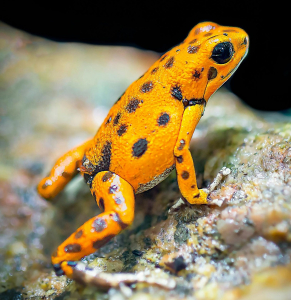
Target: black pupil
222 52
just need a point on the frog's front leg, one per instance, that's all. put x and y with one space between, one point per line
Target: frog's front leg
184 163
63 171
116 197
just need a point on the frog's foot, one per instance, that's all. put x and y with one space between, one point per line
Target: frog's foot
199 198
88 238
202 195
116 197
65 268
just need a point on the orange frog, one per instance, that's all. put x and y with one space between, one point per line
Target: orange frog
145 136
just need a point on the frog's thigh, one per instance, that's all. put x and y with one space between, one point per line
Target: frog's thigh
184 163
116 197
63 171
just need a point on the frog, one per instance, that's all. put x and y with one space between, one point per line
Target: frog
145 136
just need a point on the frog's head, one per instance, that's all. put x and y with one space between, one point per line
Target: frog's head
214 53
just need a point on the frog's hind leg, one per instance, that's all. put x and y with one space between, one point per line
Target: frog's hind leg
116 197
63 171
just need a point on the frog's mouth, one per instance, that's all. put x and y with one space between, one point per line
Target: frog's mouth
231 71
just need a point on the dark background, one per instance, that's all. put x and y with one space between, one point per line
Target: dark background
262 80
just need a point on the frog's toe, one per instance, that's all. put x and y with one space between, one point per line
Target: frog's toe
65 268
58 270
205 194
201 197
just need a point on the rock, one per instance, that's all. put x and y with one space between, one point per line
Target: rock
54 96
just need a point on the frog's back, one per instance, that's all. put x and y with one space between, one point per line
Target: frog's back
137 138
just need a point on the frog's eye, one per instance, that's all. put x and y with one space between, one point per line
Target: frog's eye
222 52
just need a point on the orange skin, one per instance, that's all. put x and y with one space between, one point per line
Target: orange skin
146 135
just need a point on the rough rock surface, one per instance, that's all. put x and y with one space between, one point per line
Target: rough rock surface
52 97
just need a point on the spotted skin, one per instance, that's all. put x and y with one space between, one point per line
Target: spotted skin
145 136
117 215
